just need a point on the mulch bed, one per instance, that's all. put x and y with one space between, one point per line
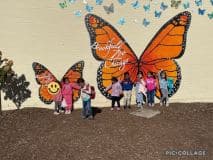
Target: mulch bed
34 133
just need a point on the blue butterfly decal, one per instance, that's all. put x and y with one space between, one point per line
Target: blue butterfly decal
72 1
121 21
186 5
63 4
99 2
210 15
158 14
122 2
146 22
136 4
199 2
146 7
175 4
201 11
109 9
78 13
89 8
155 2
163 6
211 2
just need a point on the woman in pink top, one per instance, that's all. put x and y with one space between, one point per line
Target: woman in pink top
116 92
67 89
151 87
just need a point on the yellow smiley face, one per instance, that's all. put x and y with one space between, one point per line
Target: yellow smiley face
53 88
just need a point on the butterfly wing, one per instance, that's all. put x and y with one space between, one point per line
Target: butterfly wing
44 77
73 74
168 44
111 8
109 46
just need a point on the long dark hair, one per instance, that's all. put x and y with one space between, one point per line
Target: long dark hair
65 78
80 80
164 73
114 79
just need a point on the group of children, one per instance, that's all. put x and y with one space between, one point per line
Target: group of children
145 90
64 98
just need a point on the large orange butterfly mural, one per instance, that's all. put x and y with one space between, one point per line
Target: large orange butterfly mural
117 57
49 85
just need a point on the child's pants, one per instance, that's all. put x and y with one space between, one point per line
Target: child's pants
139 98
68 100
57 106
127 98
164 95
151 96
115 99
87 110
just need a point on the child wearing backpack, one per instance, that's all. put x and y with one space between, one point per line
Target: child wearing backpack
87 93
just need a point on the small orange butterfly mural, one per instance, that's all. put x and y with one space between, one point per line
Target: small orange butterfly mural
49 85
117 57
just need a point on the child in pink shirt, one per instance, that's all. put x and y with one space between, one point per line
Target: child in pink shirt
67 89
151 87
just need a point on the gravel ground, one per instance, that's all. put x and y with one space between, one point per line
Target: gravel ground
34 133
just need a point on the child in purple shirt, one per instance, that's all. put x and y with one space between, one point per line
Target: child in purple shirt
116 92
